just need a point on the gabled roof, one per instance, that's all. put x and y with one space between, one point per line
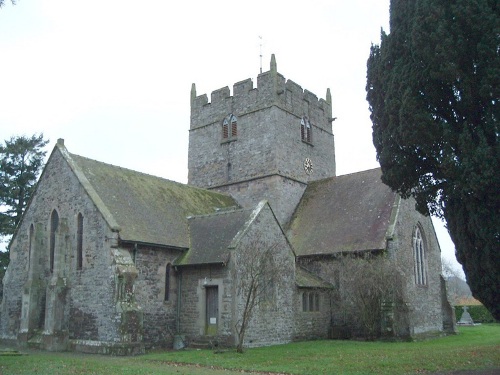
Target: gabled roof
346 213
141 207
212 236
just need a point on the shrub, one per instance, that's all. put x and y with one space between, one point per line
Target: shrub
478 313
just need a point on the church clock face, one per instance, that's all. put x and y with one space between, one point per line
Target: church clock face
308 166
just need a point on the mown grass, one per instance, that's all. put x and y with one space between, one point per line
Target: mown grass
473 348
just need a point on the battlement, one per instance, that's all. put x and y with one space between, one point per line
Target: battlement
272 90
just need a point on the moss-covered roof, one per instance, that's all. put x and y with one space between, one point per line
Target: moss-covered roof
141 207
343 214
212 236
306 279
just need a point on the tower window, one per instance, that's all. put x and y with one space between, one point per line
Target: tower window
230 127
305 130
54 223
79 242
419 257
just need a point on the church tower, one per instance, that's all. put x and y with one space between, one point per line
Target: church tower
261 143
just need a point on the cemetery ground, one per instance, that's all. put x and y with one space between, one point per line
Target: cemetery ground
474 350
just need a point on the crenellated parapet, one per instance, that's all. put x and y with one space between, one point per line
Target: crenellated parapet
273 89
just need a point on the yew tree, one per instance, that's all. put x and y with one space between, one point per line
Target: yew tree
21 161
433 86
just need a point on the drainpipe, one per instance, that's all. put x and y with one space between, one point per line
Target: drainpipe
179 299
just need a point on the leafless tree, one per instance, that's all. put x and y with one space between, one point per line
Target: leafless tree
257 268
371 293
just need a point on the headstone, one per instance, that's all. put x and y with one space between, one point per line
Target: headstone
179 342
466 318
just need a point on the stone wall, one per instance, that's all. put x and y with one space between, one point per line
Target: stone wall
272 320
283 194
159 310
424 307
68 303
424 301
268 145
312 325
194 282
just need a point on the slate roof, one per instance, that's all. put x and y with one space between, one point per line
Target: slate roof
212 236
343 214
144 208
306 279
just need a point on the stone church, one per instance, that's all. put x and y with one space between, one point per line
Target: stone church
110 260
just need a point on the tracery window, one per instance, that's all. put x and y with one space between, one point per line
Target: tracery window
420 258
230 127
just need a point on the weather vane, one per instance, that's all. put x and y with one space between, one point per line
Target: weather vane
260 37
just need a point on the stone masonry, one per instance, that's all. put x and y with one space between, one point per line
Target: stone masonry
266 158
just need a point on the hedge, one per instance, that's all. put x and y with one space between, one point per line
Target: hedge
478 313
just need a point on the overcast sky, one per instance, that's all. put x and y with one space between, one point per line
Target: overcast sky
113 77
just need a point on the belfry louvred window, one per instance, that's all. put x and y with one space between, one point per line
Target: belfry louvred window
305 130
230 127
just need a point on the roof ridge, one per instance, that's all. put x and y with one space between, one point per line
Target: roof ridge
126 169
342 176
219 211
152 176
363 171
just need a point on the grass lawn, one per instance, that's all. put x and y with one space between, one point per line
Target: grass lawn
474 348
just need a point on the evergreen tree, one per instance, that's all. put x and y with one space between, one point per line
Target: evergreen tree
2 2
21 160
433 86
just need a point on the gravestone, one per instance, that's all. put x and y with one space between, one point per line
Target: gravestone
466 318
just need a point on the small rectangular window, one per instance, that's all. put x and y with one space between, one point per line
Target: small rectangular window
310 301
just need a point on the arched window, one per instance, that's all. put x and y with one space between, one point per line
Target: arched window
230 127
30 249
54 223
419 257
168 268
305 130
79 242
234 126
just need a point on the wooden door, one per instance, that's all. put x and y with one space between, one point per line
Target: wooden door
212 309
